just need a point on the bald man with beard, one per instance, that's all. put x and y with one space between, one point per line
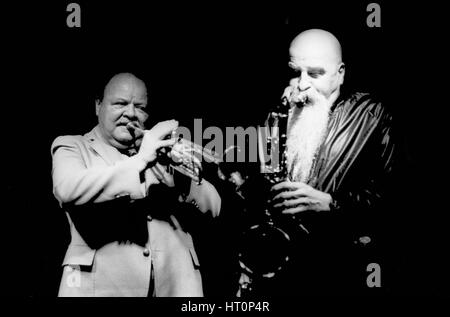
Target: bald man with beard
340 157
121 203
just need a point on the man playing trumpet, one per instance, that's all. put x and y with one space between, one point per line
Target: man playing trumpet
121 203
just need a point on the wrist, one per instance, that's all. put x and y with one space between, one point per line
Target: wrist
139 162
334 204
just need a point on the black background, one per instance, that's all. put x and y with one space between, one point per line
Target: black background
225 63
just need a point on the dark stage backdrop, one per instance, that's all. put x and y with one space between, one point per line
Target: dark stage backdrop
225 63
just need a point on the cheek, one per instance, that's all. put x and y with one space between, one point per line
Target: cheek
327 87
114 116
142 117
321 86
110 119
334 82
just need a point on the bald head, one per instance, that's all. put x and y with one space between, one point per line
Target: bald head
316 59
124 82
317 44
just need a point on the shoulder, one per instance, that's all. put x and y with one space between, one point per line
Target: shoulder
70 141
365 104
73 141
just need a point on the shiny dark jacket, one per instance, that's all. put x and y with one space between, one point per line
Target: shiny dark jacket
355 166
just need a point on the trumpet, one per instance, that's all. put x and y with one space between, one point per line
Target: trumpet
184 156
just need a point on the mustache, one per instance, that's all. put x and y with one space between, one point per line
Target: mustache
299 98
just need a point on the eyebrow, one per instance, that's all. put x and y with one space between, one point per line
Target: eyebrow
119 99
319 70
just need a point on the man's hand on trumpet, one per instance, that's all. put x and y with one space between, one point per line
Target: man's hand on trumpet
153 140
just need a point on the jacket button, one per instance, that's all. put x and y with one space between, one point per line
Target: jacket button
149 218
146 252
364 240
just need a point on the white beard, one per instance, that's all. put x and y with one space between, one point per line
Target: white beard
306 132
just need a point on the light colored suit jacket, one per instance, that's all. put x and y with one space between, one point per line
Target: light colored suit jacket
85 171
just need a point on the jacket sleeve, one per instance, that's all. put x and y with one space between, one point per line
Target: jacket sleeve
75 183
206 197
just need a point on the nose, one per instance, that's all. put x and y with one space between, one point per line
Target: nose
130 111
303 82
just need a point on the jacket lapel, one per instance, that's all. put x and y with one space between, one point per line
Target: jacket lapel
108 153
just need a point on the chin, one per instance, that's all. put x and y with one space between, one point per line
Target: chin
123 137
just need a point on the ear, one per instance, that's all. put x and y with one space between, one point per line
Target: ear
341 71
97 106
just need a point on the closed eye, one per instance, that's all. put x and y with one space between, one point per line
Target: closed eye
140 106
294 73
313 75
316 72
